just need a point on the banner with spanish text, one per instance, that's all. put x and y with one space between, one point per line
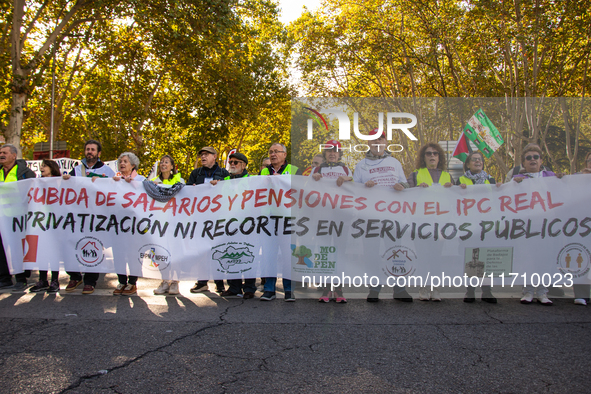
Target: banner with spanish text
300 228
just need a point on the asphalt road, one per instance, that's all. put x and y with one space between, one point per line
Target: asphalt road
99 343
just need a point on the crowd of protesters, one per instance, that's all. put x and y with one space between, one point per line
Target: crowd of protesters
377 169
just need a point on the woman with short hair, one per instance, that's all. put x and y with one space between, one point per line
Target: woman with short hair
128 164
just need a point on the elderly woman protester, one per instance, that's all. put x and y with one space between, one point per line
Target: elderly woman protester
167 177
531 163
475 175
431 163
128 164
49 168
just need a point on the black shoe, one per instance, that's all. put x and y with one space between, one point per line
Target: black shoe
373 296
289 296
20 286
199 288
54 287
248 295
488 297
229 294
268 296
220 290
6 284
39 286
469 297
403 296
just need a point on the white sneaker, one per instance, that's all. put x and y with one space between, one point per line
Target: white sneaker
423 294
174 288
435 295
580 301
527 298
544 300
163 288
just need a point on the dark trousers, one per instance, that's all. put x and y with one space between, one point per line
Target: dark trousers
124 279
219 284
90 278
237 287
43 275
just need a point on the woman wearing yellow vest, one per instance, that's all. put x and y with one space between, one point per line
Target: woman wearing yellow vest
431 164
475 175
167 176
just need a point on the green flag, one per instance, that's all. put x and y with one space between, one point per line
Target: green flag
483 133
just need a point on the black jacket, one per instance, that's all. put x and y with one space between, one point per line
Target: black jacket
198 175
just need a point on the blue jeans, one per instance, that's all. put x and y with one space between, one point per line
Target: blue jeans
271 282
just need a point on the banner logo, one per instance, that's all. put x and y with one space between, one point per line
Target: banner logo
233 257
575 259
89 252
154 257
322 261
30 243
399 261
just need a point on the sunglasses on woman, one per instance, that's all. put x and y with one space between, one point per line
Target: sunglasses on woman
530 157
429 153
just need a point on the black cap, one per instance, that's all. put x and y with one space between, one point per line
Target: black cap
239 156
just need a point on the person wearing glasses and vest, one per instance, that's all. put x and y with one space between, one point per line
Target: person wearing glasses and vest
278 166
246 290
12 170
431 163
531 167
475 175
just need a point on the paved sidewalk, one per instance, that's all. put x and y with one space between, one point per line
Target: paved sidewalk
203 343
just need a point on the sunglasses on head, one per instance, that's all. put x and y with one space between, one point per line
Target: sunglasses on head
431 153
532 157
234 162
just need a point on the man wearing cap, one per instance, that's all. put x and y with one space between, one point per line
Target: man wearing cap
91 166
12 170
381 169
208 172
238 163
278 166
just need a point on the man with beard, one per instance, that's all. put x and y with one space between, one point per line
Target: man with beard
91 167
209 171
12 170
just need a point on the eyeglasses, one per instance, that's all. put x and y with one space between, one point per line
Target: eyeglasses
235 162
476 159
431 153
276 152
532 157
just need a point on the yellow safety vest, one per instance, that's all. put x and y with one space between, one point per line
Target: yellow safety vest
423 176
171 181
464 180
11 177
289 170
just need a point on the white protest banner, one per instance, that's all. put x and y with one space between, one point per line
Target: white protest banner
297 227
65 164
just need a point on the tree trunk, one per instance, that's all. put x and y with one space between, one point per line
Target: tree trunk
19 101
